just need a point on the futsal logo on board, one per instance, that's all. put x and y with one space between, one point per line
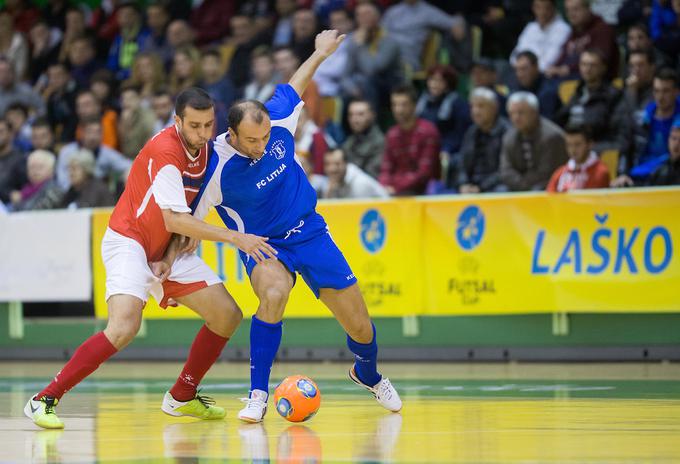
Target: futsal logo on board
470 227
278 149
373 231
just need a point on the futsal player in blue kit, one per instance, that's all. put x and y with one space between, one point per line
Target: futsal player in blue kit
256 185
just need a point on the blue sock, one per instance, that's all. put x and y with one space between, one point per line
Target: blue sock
265 339
365 360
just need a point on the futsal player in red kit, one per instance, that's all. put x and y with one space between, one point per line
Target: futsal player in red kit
141 257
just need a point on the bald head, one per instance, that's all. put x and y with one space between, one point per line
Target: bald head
249 128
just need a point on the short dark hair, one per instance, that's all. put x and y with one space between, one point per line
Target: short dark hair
648 54
195 98
361 100
333 150
405 89
667 74
640 27
579 129
215 53
42 121
240 109
529 55
18 106
162 92
598 53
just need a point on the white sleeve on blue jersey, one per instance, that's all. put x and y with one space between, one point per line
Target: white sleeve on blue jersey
212 195
284 107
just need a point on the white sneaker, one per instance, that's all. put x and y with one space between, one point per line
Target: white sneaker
383 391
256 407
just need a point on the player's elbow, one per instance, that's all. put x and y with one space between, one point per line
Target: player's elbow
171 220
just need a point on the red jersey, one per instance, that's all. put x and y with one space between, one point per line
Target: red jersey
163 176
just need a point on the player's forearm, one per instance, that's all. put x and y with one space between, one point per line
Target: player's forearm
303 75
186 224
172 250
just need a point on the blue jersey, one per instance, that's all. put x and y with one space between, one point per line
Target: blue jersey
267 197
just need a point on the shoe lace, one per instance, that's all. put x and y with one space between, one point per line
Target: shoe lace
253 403
385 390
204 400
49 404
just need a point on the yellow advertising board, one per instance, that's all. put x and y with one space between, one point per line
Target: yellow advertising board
376 238
604 251
584 252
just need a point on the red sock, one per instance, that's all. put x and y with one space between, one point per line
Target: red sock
204 352
85 360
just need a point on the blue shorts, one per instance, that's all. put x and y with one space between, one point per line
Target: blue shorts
309 250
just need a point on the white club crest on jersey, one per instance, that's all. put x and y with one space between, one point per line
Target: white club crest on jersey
278 149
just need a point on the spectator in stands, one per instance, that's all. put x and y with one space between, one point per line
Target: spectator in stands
374 63
128 42
164 109
588 31
186 69
286 62
598 105
584 170
74 27
283 33
85 191
156 44
178 35
366 143
44 49
305 28
533 148
136 123
12 164
12 91
347 180
42 136
13 46
18 118
329 74
82 60
148 74
210 19
410 22
530 79
318 181
440 104
104 87
24 15
483 74
264 80
638 90
652 135
214 80
632 11
109 164
501 24
311 141
668 173
412 146
477 168
544 36
238 48
41 191
665 31
60 93
88 107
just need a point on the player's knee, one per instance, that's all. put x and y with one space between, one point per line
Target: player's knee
362 332
275 297
121 335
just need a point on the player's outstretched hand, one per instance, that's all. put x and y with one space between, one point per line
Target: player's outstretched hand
255 246
160 269
328 41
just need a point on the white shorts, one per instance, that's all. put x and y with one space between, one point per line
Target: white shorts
128 272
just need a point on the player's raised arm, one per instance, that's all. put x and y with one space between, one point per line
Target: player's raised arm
325 44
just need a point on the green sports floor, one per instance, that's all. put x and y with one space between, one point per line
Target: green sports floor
453 413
